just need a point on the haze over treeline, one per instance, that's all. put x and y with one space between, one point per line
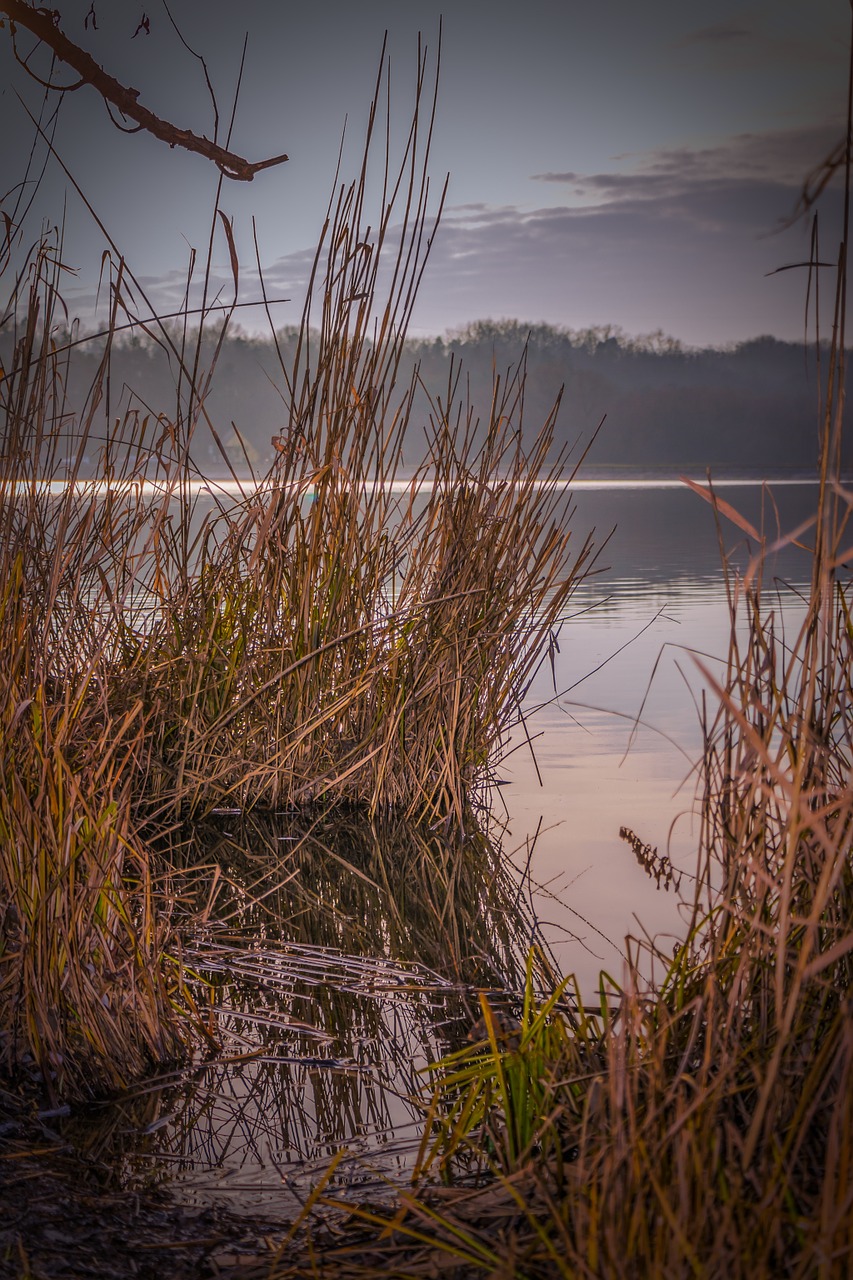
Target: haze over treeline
752 407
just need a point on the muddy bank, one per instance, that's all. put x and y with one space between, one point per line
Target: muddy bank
63 1215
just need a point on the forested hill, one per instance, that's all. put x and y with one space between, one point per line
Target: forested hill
749 407
752 407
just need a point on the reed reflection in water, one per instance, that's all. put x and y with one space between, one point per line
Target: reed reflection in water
337 961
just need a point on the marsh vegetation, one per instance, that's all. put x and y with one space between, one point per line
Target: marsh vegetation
333 663
323 641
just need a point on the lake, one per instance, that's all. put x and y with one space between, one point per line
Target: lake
629 649
330 1019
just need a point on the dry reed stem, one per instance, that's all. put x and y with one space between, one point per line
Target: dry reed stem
324 639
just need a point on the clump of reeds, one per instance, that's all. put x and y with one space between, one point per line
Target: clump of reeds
330 638
337 639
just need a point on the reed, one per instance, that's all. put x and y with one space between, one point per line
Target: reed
330 639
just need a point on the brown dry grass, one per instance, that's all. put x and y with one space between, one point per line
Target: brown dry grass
701 1123
324 639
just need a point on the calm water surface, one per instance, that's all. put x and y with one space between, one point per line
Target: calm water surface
629 650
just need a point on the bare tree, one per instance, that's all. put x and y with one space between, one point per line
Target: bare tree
44 24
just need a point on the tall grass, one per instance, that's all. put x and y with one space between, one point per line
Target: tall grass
698 1123
325 639
84 994
701 1124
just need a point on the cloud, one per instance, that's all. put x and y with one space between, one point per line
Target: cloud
761 46
569 176
680 240
776 158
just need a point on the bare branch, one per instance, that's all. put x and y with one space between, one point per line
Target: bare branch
43 23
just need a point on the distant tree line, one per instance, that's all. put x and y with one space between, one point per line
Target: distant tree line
750 407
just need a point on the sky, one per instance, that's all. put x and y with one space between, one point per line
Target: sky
609 162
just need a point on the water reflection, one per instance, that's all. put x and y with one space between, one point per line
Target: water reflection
669 537
338 961
615 717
